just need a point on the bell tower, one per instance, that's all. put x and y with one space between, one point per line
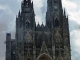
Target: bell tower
25 26
54 13
27 13
57 13
57 22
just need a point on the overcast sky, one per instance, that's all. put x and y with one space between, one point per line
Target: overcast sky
9 9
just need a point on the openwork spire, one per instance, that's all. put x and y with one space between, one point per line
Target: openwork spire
26 3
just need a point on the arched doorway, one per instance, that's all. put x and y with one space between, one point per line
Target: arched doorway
44 57
60 58
28 59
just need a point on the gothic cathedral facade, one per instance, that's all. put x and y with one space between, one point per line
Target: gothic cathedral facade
40 42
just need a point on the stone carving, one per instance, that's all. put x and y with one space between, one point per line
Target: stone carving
28 38
44 48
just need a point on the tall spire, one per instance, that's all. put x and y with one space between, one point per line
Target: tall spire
64 12
32 4
38 25
19 13
16 16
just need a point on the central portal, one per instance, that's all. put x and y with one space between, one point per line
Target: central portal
44 57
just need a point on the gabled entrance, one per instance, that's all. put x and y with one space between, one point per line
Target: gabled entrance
44 57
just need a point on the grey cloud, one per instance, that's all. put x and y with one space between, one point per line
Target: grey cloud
3 27
44 8
75 55
7 22
72 25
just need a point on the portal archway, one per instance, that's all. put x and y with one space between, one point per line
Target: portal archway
60 58
28 58
44 57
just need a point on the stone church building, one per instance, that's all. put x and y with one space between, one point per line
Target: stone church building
40 42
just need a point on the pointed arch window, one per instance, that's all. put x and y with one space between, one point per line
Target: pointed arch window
56 22
27 24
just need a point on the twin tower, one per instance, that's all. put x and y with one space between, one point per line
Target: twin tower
40 42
